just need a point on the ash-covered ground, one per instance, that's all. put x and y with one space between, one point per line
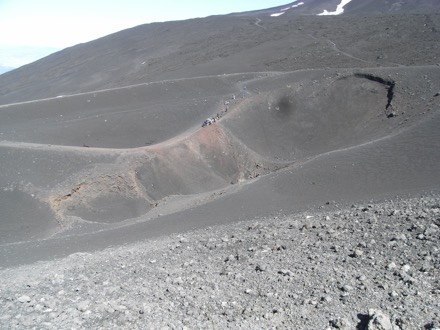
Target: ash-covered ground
373 265
312 201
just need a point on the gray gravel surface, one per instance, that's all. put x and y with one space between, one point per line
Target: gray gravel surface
369 266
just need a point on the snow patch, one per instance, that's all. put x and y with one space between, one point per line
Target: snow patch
339 9
282 11
299 4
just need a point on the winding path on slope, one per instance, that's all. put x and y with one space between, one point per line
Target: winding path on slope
258 23
346 54
338 50
354 57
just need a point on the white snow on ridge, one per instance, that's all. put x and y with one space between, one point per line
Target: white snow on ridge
299 4
282 11
277 14
339 9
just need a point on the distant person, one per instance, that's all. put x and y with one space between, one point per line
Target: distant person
206 122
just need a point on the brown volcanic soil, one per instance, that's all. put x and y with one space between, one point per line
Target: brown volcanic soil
322 112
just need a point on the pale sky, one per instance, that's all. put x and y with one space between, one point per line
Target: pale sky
31 29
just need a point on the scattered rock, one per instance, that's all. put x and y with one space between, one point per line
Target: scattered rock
261 268
341 323
83 305
285 272
406 268
378 320
267 274
435 325
357 253
24 299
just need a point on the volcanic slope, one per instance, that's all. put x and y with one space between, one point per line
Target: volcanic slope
312 202
76 176
242 42
102 142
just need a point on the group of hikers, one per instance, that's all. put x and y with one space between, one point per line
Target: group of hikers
210 121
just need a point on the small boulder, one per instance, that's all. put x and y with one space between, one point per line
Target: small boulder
357 253
24 299
341 323
378 320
